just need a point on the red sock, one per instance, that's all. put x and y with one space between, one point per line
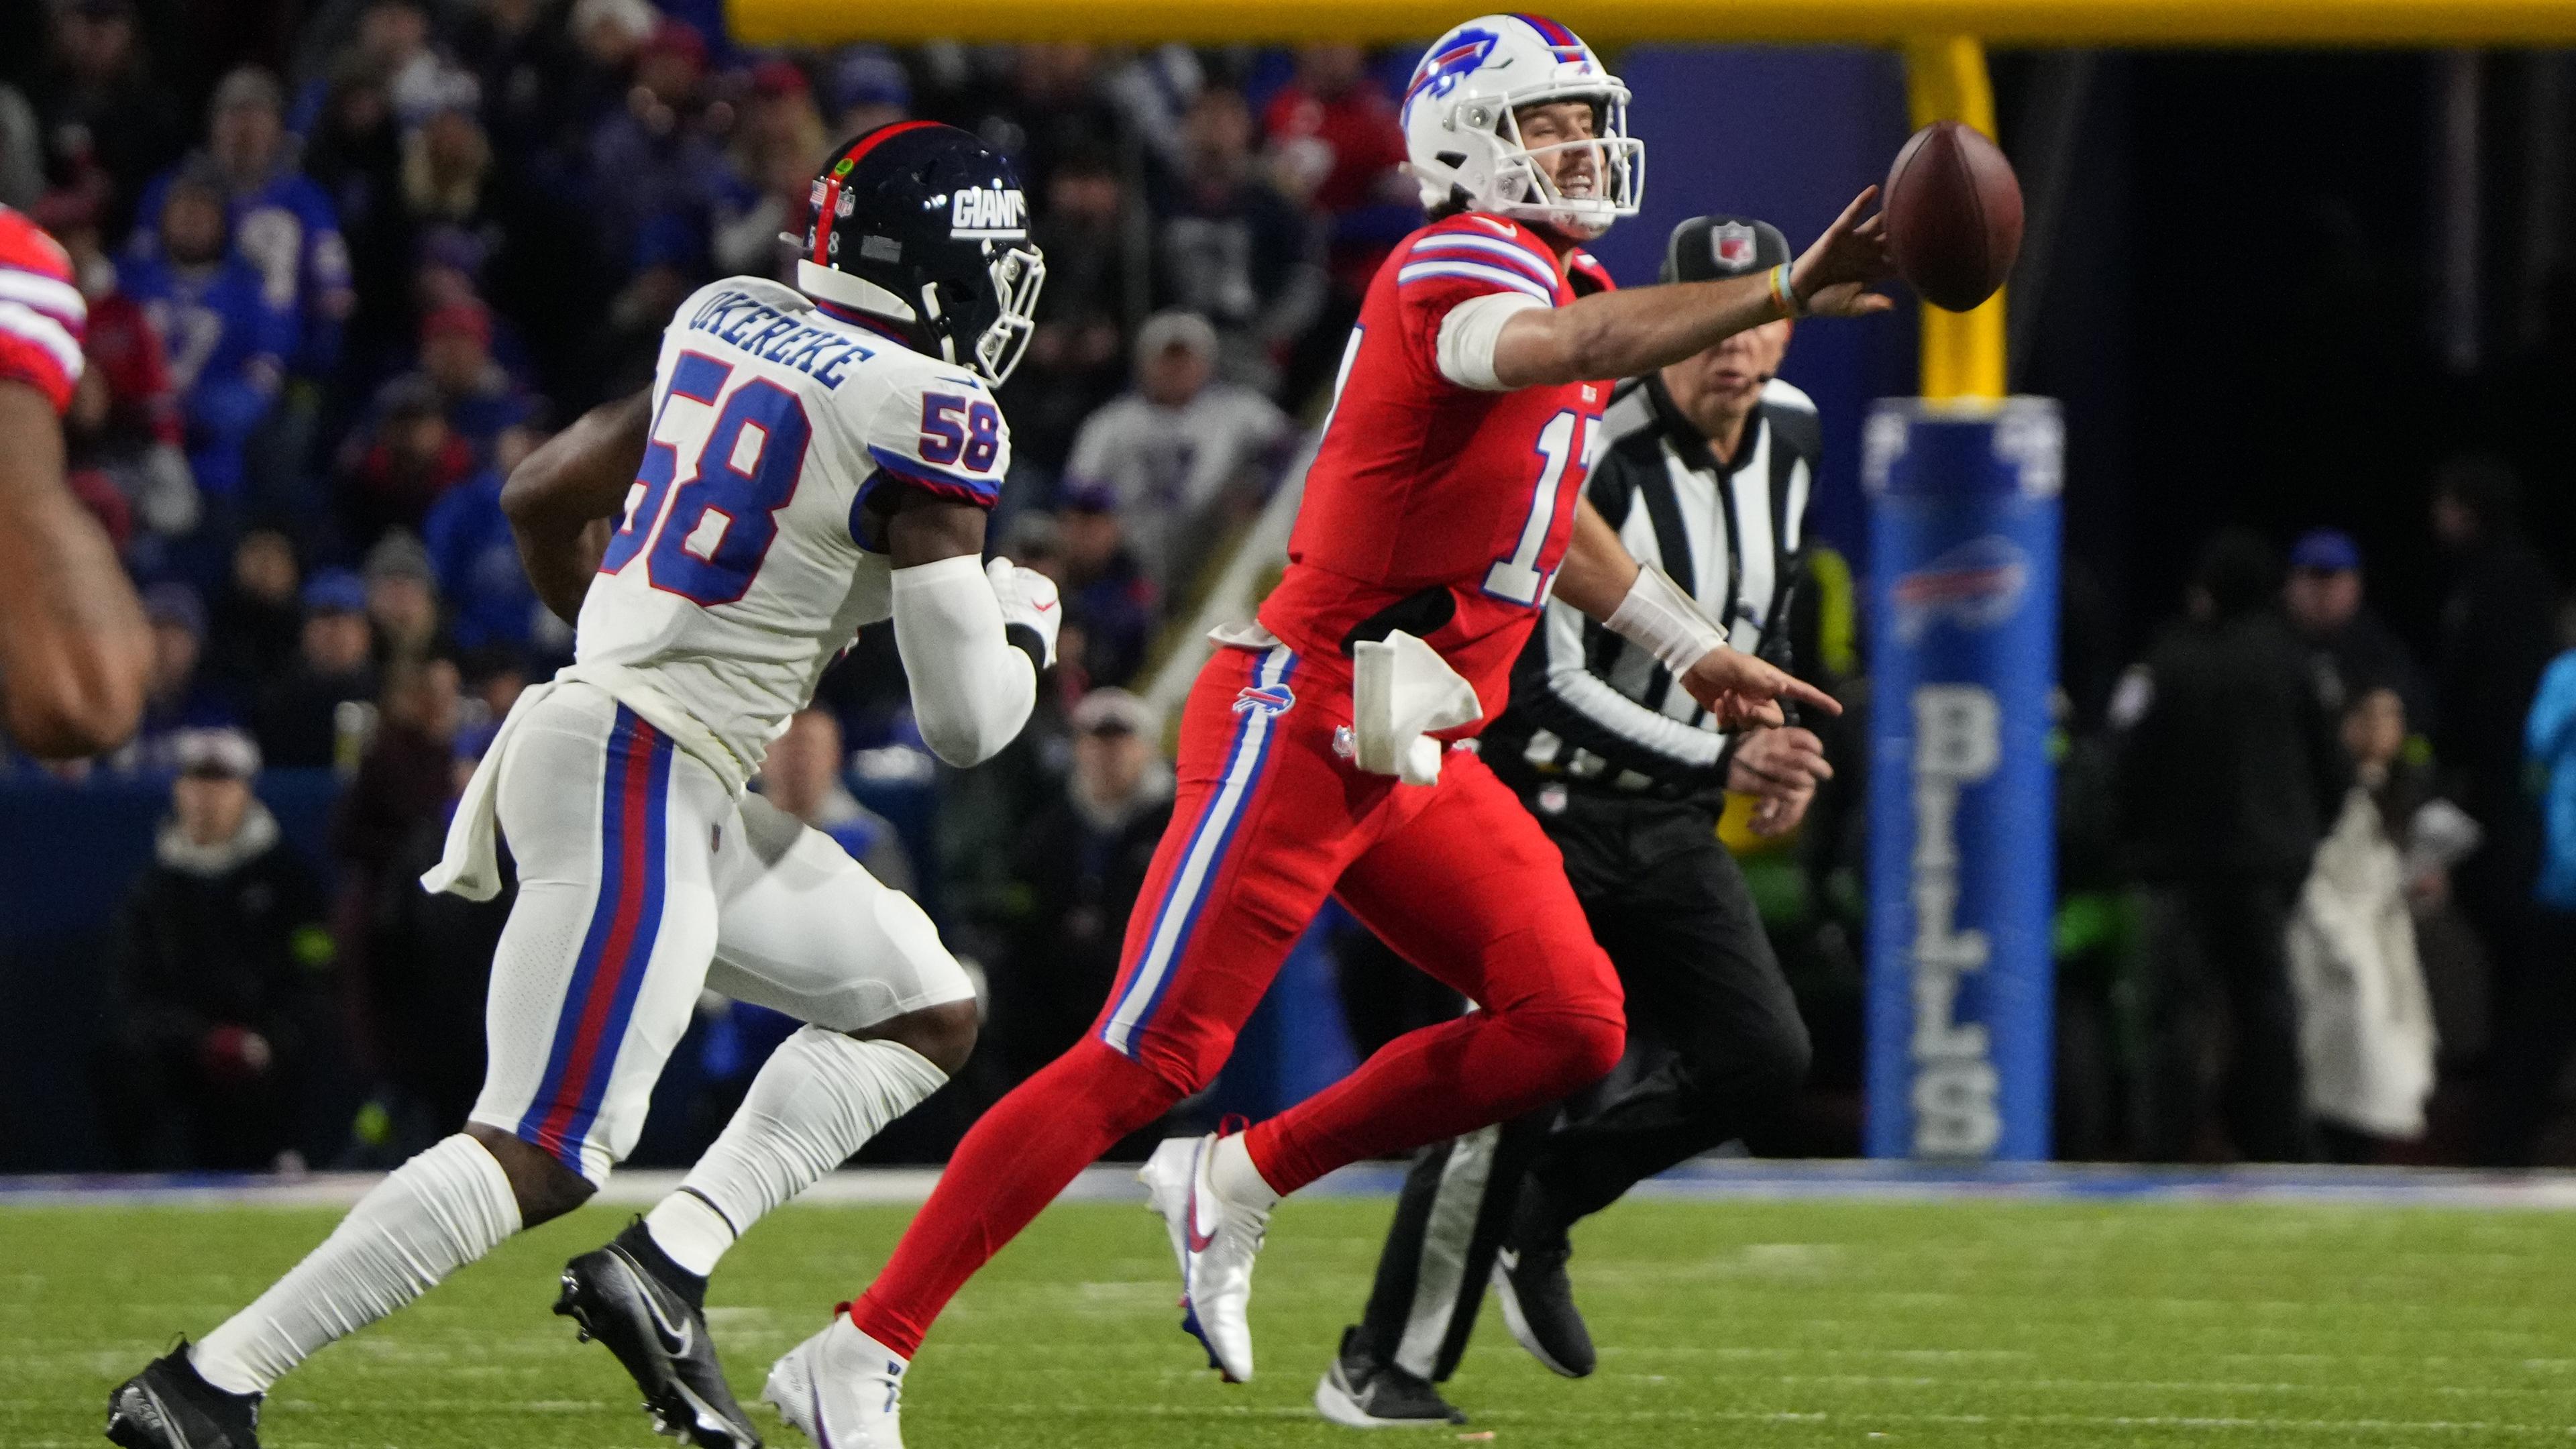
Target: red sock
1438 1082
1009 1167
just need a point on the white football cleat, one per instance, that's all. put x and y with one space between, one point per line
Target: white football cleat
1214 1240
843 1389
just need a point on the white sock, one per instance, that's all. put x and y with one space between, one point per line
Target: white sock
434 1214
817 1100
1231 1173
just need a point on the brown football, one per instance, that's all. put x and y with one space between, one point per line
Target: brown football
1953 215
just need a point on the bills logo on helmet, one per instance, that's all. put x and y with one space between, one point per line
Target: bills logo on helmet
1731 244
1456 56
985 211
1269 699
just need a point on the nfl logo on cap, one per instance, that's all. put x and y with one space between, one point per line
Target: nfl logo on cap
1730 244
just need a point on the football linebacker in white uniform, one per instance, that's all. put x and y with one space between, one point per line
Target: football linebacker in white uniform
809 461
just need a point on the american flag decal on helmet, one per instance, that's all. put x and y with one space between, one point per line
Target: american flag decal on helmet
830 204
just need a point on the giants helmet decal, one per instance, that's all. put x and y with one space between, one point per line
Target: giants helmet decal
1464 143
921 226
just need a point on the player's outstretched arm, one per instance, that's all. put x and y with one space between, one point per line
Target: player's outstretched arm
562 497
1625 333
973 637
73 644
1599 577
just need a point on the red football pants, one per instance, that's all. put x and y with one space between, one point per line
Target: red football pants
1268 820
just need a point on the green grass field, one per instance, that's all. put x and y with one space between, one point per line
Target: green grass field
1766 1323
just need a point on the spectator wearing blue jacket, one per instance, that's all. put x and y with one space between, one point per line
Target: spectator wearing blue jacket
477 559
2527 1080
283 223
227 336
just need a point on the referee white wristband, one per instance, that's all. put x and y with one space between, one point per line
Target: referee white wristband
1659 618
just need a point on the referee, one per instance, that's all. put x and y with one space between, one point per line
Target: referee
1705 473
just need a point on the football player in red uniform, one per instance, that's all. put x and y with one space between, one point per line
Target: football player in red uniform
73 644
1320 750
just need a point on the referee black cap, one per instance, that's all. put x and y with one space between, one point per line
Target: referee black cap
1706 248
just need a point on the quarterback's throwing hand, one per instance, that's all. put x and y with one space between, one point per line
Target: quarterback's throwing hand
1744 692
1028 600
1834 277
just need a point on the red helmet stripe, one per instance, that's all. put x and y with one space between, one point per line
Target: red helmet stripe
830 207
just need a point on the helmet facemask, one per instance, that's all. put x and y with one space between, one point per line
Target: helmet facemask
1618 165
1018 274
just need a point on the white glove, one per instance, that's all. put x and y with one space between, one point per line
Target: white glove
1028 598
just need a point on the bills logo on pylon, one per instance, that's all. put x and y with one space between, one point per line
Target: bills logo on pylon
1976 585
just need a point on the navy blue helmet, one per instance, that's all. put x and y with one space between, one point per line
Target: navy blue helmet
925 229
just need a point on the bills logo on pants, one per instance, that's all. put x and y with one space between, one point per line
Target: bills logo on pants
618 946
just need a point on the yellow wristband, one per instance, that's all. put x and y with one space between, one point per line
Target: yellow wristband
1784 294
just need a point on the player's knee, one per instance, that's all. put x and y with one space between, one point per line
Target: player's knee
1575 1045
944 1035
1594 1043
545 1188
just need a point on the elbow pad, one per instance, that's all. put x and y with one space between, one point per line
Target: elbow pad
971 688
1468 335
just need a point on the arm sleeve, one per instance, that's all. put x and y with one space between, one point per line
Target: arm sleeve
943 433
1440 270
971 688
1468 334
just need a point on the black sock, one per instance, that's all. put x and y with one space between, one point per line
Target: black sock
638 1242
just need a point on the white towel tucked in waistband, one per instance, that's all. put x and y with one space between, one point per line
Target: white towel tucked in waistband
471 864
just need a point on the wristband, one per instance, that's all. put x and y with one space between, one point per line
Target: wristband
1785 294
1659 618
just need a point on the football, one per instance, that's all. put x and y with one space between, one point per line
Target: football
1953 215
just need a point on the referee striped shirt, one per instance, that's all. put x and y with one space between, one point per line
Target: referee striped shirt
1588 707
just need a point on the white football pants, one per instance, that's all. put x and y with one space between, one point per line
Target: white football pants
641 881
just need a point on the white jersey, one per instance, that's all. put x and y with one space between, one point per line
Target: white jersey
736 574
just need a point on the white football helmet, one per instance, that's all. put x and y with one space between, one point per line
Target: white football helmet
1462 140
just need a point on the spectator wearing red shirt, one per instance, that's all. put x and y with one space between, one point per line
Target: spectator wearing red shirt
124 430
1338 144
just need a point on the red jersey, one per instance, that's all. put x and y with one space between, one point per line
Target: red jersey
1434 508
41 312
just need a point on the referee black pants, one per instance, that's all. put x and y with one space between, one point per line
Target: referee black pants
1716 1045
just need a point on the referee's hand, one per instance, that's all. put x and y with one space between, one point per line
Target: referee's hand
1744 691
1780 769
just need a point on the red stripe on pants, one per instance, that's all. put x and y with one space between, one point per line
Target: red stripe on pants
636 791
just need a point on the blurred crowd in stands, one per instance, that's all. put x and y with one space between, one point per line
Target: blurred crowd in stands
348 262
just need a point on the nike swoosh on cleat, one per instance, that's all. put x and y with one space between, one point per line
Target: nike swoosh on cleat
675 1339
822 1431
1199 1241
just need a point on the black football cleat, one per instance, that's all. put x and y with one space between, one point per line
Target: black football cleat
1359 1392
1538 1307
631 1297
168 1406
